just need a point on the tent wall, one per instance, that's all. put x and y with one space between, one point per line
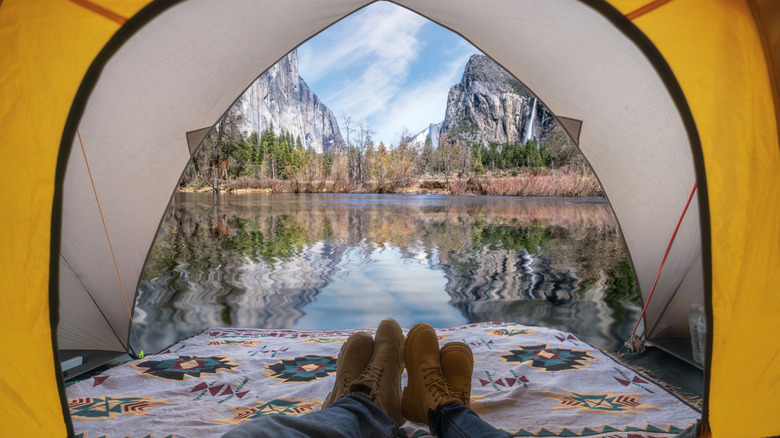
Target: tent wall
182 70
47 48
176 75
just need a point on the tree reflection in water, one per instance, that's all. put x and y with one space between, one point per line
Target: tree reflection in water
337 261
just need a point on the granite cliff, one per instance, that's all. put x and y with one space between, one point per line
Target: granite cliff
489 105
432 131
280 96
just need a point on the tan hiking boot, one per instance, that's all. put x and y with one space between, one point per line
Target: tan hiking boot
457 365
350 364
426 389
381 380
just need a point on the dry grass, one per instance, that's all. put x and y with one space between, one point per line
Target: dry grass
293 186
560 182
564 182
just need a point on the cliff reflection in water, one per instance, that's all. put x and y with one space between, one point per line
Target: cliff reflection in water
343 261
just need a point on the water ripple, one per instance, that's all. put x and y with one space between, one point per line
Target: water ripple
328 261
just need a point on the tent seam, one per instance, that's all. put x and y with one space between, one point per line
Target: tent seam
646 9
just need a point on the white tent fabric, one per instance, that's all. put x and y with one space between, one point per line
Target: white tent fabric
183 70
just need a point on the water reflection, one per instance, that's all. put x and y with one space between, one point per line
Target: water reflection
340 261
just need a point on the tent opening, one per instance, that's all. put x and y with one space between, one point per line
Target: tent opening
250 255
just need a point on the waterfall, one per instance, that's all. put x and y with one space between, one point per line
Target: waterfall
529 125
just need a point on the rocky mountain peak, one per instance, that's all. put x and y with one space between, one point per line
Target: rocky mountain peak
280 96
490 105
431 132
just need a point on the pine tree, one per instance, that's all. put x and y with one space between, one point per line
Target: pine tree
267 143
532 153
478 167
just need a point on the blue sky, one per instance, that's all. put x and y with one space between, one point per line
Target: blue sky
386 67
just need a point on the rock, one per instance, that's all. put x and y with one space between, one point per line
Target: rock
280 96
489 105
431 131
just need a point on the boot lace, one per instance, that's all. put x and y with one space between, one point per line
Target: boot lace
369 379
460 396
436 385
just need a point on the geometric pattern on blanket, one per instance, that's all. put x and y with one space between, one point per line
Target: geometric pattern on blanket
528 381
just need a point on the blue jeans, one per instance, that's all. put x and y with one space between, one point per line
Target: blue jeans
357 416
456 420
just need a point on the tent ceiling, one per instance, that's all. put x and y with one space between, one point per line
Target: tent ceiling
182 70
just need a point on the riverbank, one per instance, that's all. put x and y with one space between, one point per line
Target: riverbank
562 183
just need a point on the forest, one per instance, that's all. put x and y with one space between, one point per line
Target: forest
229 159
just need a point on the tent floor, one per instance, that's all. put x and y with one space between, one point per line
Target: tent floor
87 360
528 381
670 369
664 366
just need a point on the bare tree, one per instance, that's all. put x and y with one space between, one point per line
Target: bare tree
339 169
348 132
357 137
363 144
405 157
310 169
380 168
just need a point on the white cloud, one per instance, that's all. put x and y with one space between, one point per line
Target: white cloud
382 34
416 107
371 65
366 59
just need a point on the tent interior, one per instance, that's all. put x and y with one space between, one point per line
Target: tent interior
120 152
621 77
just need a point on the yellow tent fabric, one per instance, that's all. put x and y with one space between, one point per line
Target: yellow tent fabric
716 49
46 47
718 59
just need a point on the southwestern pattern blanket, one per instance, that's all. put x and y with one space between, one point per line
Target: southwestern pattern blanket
528 381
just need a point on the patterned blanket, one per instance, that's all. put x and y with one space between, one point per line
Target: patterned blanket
528 381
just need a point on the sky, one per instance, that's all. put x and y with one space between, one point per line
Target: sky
386 67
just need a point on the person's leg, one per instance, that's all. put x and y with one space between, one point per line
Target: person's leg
351 416
365 400
439 388
456 420
426 388
381 380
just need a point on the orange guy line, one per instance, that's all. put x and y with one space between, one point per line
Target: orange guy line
645 9
666 254
110 247
100 10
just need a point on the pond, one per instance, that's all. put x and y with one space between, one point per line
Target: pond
332 261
